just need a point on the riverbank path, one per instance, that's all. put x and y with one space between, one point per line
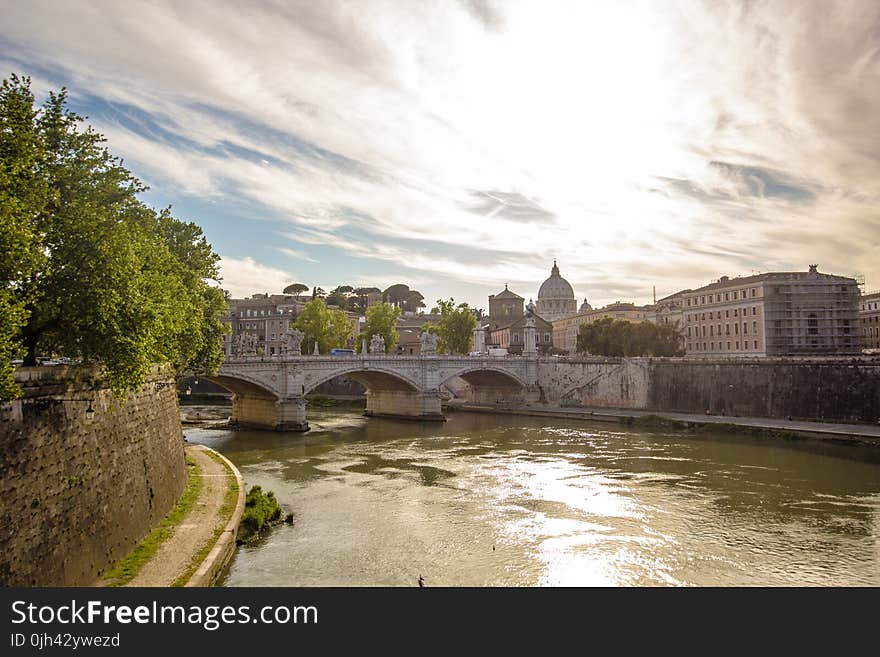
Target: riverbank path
196 530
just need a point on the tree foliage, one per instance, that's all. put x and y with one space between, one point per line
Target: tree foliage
413 301
455 328
381 320
339 297
92 273
618 337
296 289
331 328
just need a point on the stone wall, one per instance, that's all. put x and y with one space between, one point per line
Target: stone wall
77 494
608 382
845 390
830 389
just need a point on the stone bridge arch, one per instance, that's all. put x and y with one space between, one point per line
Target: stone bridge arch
372 378
483 384
254 403
390 392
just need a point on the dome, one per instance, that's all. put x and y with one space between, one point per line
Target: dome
555 287
556 298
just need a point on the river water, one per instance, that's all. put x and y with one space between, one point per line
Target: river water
491 500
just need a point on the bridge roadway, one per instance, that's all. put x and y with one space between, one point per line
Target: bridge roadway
270 392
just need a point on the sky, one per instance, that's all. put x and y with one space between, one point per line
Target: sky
461 145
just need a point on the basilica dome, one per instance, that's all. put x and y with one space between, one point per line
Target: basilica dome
556 297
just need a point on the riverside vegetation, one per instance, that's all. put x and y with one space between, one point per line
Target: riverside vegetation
90 273
261 512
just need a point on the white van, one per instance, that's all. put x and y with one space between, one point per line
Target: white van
498 352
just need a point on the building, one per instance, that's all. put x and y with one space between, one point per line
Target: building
869 318
565 330
263 315
409 333
556 297
505 306
773 314
506 322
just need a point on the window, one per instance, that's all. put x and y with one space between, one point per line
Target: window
711 330
546 337
727 296
726 314
753 291
745 328
754 310
710 314
728 346
756 344
689 331
703 316
734 295
712 346
704 332
737 345
516 337
727 329
703 299
736 312
735 328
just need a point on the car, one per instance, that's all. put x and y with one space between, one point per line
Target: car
476 354
342 352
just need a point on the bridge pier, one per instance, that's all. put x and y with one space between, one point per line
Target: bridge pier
265 413
405 404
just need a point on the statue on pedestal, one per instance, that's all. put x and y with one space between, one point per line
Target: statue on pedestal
377 344
292 343
429 344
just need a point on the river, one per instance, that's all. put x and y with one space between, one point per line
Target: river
491 500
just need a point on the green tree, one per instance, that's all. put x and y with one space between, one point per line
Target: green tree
618 337
339 296
358 302
296 289
97 276
330 327
396 294
455 328
23 193
381 320
413 301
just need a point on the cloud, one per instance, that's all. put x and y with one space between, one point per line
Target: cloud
243 277
470 143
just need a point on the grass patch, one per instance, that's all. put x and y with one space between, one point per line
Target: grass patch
229 502
261 511
127 569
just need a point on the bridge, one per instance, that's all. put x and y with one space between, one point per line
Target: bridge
269 393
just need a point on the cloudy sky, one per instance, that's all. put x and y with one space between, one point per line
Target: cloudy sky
458 145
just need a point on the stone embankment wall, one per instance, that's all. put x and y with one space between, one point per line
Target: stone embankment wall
77 494
608 382
815 389
833 389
